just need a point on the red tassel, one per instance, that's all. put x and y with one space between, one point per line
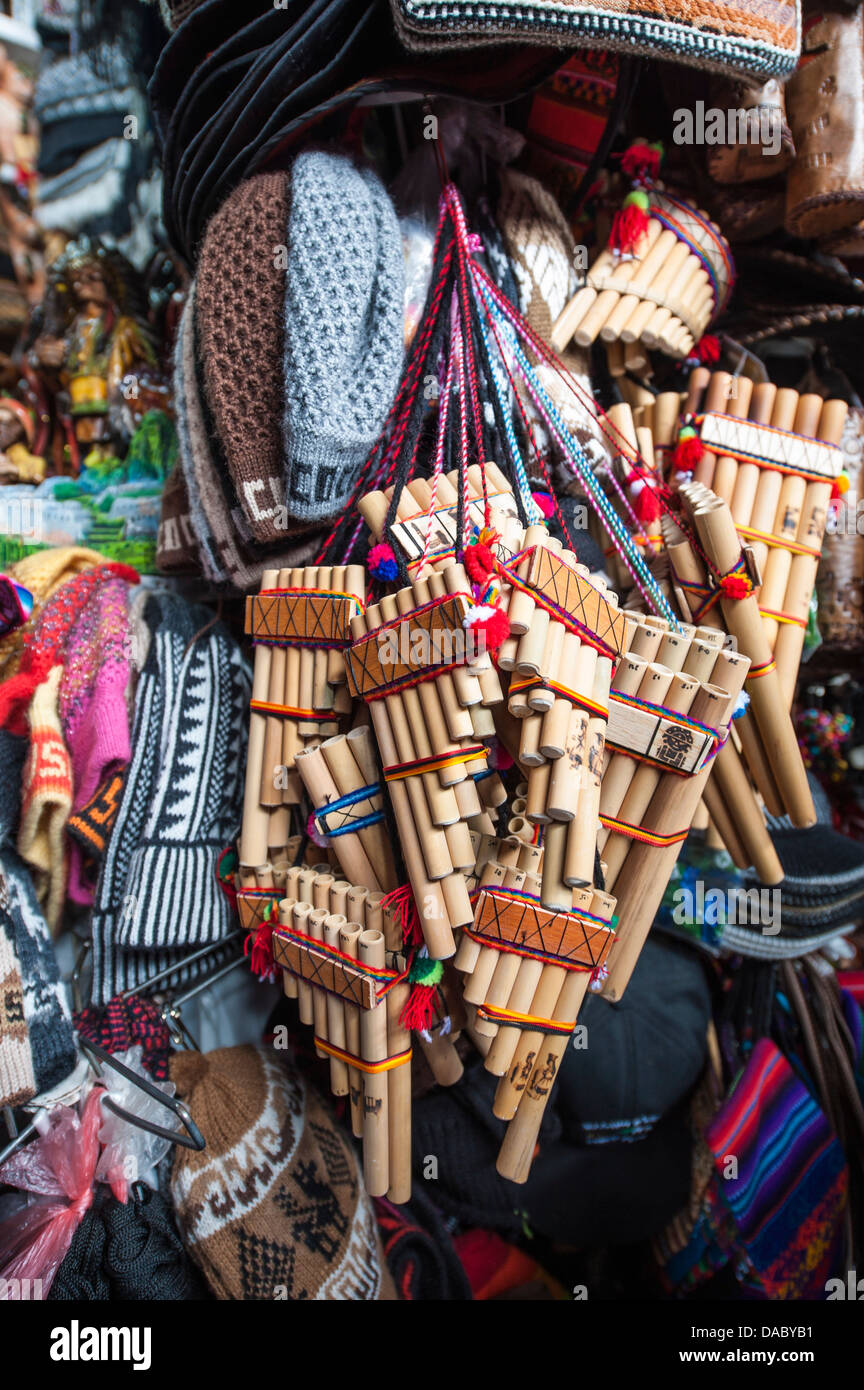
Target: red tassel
736 585
403 910
687 453
419 1011
261 958
628 228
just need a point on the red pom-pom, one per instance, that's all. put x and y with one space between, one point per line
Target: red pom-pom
545 503
495 627
687 453
645 504
736 585
479 562
707 350
641 160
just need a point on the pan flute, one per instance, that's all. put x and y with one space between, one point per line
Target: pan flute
665 296
299 623
429 689
339 953
567 632
774 457
426 523
765 730
657 791
342 780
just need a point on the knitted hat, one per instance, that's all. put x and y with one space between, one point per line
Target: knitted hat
233 88
128 1251
240 317
217 519
93 707
37 1045
343 328
46 799
274 1206
176 546
158 897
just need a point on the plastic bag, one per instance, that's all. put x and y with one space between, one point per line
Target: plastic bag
131 1154
60 1165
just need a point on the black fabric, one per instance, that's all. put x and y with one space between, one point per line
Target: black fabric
642 1054
13 753
642 1059
419 1251
127 1252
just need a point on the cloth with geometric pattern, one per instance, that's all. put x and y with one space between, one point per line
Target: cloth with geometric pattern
274 1208
158 898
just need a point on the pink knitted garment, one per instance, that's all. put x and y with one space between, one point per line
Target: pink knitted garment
93 708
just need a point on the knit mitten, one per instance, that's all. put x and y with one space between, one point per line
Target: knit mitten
46 799
43 1000
343 328
17 1081
274 1206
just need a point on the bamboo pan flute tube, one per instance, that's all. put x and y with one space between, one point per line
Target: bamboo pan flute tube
524 1089
519 1144
373 1048
336 1032
647 868
256 818
802 573
581 842
399 1078
439 913
351 763
477 985
784 526
544 1000
717 532
270 793
322 788
349 938
507 966
716 399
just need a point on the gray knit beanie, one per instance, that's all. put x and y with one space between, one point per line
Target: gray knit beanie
343 328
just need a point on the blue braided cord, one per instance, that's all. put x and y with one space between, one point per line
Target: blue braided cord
344 803
532 510
631 557
372 819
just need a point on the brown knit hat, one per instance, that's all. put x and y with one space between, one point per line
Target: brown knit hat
240 313
273 1208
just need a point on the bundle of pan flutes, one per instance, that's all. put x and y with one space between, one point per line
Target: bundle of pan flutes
664 294
618 723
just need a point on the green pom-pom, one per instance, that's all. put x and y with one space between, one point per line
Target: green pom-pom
687 432
426 972
638 199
